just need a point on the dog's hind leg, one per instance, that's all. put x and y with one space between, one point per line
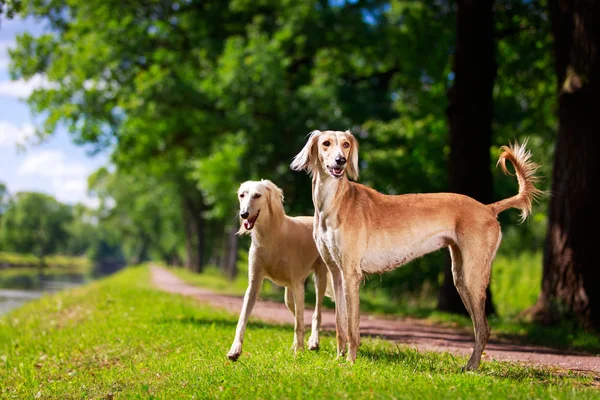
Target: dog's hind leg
289 301
471 270
298 291
255 281
320 280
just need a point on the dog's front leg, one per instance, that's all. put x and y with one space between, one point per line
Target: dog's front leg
351 288
298 290
255 281
320 279
341 317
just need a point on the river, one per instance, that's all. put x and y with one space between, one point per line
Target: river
18 286
11 298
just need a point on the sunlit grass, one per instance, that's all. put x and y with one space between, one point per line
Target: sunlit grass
120 338
515 287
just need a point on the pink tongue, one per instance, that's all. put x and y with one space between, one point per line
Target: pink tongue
247 224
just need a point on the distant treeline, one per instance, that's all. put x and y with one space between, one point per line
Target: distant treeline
38 230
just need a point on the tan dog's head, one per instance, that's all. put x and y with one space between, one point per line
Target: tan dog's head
335 152
255 196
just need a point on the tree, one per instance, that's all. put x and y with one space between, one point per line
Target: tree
140 209
4 199
160 82
570 274
470 114
81 231
35 223
9 8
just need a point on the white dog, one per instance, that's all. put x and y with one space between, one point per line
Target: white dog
283 250
359 230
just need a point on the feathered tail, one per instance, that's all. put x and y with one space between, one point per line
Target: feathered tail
525 170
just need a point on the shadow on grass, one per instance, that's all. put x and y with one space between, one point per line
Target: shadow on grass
432 362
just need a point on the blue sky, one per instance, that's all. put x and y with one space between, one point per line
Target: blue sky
56 166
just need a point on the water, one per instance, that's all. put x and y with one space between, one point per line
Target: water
18 286
28 288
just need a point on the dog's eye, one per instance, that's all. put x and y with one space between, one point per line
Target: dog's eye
256 196
326 143
346 145
242 195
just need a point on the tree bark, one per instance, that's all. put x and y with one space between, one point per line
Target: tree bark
470 114
570 273
194 229
232 252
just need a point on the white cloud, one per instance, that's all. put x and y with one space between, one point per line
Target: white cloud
68 179
22 88
12 135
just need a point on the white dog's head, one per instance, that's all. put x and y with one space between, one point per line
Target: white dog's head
334 152
257 196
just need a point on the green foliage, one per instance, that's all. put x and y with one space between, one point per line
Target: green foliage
72 345
9 8
35 224
219 175
516 282
192 98
4 198
77 264
138 210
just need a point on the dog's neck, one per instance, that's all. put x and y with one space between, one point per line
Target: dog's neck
326 189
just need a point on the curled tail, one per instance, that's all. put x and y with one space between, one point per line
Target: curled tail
525 170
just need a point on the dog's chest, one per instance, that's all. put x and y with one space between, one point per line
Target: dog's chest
329 236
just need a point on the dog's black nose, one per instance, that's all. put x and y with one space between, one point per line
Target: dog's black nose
340 160
244 214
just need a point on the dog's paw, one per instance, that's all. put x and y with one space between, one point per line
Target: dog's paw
235 352
297 346
313 343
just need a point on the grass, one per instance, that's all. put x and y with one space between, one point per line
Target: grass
119 338
515 286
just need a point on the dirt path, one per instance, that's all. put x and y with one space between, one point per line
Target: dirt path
405 331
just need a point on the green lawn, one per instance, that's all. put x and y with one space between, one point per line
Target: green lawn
120 338
515 287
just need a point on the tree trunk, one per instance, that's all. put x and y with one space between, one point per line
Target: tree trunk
142 253
200 235
194 233
571 274
470 115
232 252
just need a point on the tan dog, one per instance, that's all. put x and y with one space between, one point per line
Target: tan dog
282 250
359 230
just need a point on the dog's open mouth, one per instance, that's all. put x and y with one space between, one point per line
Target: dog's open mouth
249 223
336 172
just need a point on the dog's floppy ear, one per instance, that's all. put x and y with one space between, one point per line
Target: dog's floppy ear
274 190
275 196
306 159
353 157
